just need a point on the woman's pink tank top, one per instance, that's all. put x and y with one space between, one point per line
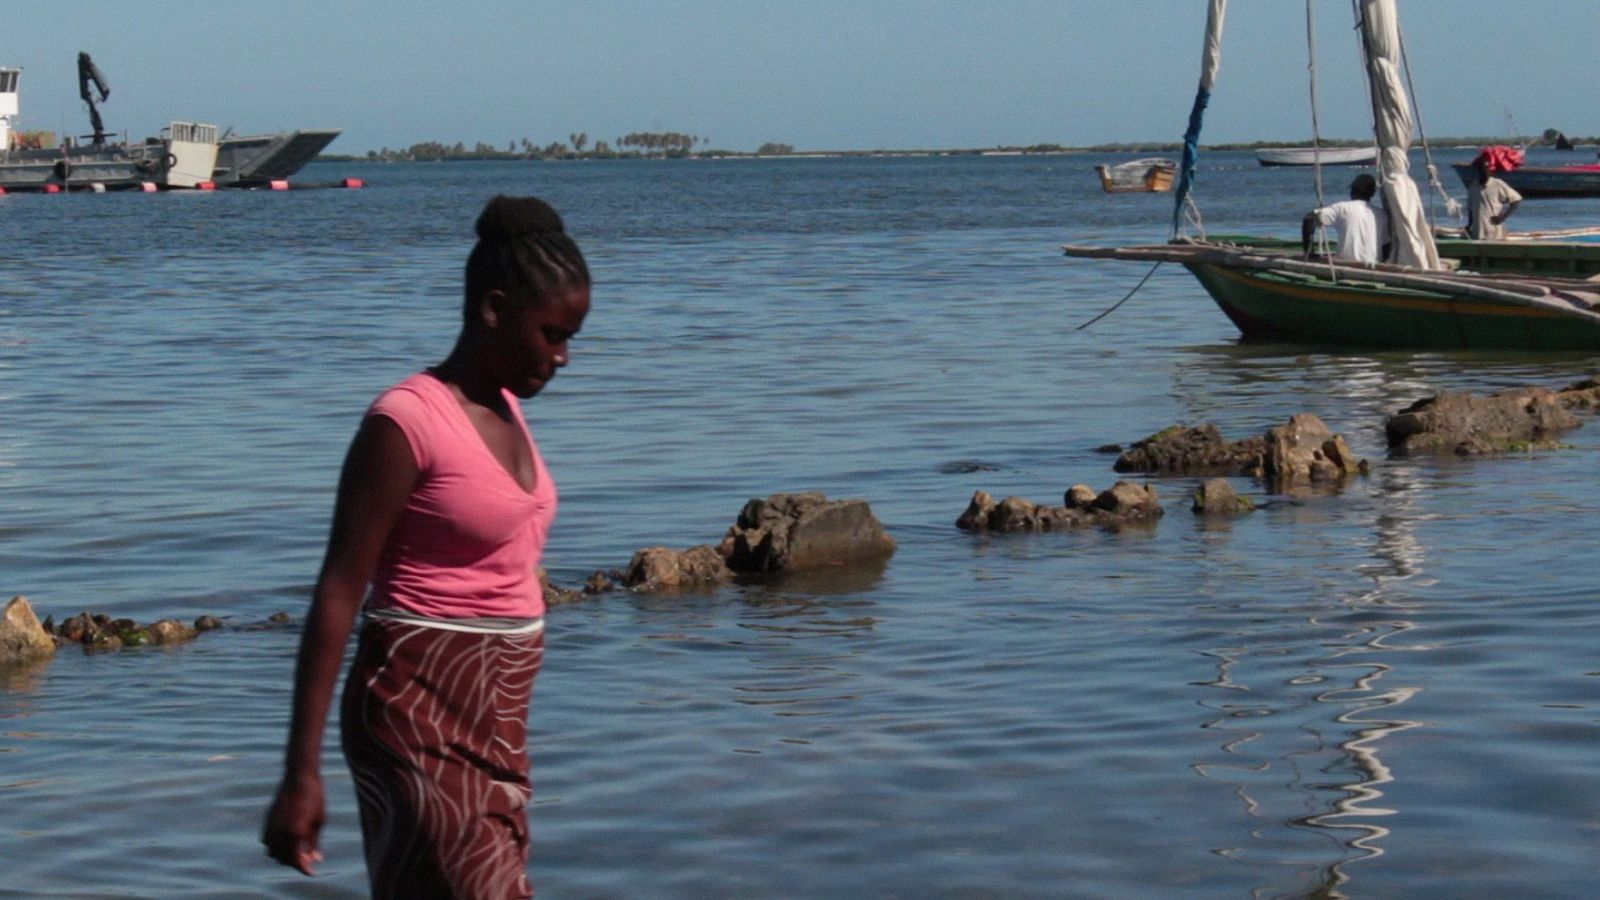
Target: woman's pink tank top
469 541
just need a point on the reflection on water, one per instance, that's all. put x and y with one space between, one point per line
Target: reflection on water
1398 553
1361 752
1354 392
856 577
1334 770
21 678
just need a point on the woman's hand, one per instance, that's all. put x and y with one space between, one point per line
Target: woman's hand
294 823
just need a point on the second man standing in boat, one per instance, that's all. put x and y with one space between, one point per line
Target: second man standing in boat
1363 228
1490 201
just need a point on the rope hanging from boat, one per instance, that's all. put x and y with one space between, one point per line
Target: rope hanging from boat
1191 214
1316 139
1316 129
1125 298
1452 208
1183 206
1210 60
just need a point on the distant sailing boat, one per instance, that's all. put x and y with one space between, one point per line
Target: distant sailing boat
1410 301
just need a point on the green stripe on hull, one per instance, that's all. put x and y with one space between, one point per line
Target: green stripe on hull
1295 307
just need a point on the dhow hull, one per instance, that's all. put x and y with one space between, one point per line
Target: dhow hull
1282 306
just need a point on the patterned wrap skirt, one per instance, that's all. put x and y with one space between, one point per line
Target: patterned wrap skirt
434 725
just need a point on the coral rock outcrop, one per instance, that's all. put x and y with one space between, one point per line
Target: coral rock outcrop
792 532
22 638
1470 425
1124 503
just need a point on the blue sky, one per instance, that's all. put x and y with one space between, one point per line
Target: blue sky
818 74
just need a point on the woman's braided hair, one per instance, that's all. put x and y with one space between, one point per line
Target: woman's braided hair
523 246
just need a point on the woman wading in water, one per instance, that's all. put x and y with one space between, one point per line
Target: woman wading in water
442 511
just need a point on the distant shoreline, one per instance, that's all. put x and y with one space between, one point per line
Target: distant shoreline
1448 143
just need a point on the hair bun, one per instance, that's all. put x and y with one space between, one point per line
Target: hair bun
508 218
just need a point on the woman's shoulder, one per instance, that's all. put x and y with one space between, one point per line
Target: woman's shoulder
415 392
415 406
414 402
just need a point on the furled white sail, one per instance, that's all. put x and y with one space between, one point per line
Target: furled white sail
1391 113
1211 60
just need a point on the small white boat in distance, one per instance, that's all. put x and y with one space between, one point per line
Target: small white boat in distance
1308 156
1152 175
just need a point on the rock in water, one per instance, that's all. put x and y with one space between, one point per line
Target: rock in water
1303 450
1185 450
665 569
1307 450
1128 500
1470 425
1123 504
22 638
791 532
1216 497
169 631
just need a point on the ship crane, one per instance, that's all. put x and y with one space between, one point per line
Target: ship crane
90 79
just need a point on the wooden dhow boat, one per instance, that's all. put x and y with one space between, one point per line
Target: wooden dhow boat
1417 299
1277 295
1543 181
1153 175
1561 252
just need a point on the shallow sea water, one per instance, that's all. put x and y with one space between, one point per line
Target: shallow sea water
1390 690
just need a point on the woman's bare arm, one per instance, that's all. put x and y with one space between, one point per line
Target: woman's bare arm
378 476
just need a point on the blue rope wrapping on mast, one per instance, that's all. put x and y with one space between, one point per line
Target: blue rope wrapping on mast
1191 149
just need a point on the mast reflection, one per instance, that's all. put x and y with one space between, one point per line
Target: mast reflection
1344 651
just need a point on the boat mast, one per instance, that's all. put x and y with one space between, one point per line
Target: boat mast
1409 232
1210 61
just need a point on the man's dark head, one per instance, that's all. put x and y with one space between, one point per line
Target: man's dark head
1364 187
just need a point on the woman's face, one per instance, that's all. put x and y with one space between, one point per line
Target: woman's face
535 338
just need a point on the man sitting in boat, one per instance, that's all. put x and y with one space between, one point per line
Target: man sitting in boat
1490 201
1363 228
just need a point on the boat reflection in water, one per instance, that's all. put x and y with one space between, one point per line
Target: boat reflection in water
1331 765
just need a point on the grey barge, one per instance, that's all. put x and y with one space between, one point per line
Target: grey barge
183 155
263 158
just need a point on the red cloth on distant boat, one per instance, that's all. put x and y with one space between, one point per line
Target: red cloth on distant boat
1501 158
